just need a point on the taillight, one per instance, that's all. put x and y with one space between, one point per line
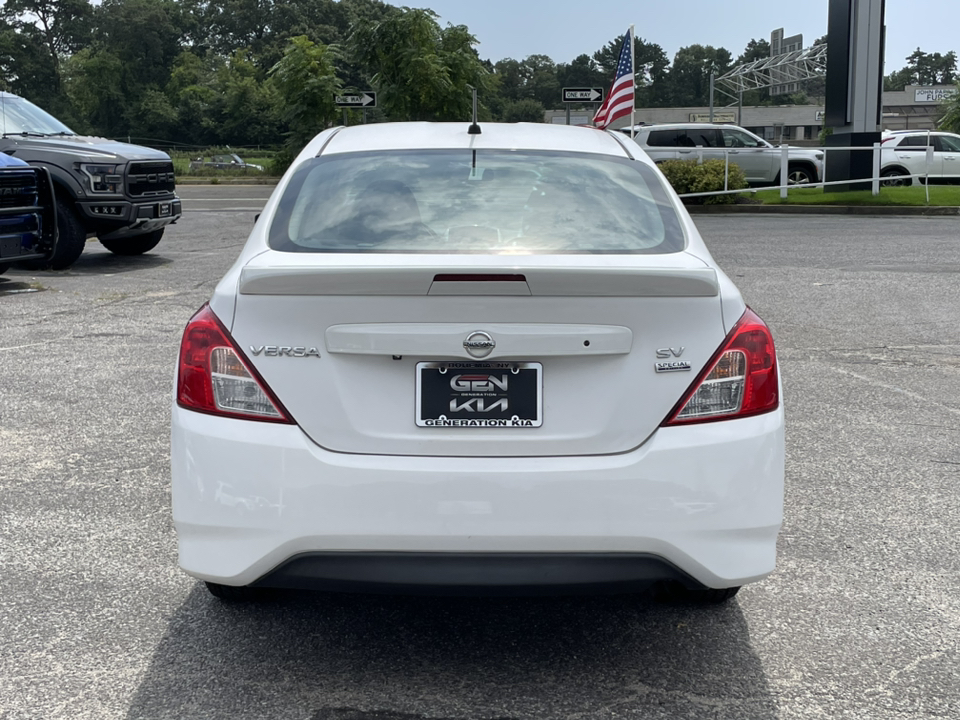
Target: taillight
740 380
215 378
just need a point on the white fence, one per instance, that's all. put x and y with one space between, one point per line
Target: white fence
785 184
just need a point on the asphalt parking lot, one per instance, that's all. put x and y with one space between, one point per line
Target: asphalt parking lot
861 619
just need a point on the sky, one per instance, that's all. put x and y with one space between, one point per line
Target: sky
564 29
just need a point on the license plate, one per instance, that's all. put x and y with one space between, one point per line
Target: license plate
479 394
163 210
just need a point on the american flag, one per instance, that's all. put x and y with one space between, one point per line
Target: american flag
620 99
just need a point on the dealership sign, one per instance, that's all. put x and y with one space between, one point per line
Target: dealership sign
934 95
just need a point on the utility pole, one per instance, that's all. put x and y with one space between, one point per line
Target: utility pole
713 77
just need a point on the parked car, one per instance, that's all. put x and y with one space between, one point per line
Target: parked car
124 194
224 162
461 362
28 214
759 160
904 152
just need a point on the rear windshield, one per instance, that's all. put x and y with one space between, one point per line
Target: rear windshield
479 202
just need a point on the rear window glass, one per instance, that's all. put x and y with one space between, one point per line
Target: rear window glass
479 202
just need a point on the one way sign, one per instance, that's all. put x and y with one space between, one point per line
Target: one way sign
593 95
365 99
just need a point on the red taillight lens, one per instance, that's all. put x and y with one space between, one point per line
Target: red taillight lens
740 380
214 377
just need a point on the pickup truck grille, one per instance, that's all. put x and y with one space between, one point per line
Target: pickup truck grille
18 189
28 226
150 178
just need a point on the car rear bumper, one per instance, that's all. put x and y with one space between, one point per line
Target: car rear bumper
473 573
260 503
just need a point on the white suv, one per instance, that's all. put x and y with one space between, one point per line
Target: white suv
759 160
905 153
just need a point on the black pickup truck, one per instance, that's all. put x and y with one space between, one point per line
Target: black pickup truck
28 215
124 194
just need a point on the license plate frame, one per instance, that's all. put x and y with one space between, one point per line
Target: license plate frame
481 393
164 209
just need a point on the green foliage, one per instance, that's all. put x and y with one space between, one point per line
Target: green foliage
280 162
687 176
690 74
951 115
527 110
924 69
306 83
421 70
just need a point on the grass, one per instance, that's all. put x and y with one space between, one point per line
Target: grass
940 195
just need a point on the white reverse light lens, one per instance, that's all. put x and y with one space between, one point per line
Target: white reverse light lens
721 392
234 389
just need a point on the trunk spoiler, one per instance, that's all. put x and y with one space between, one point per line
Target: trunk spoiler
471 280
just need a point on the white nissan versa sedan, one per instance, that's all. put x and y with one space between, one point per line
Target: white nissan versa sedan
476 363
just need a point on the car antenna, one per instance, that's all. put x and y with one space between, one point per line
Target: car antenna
474 129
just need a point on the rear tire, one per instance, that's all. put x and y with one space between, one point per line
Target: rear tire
137 245
234 593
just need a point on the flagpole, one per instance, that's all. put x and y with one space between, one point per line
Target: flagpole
633 79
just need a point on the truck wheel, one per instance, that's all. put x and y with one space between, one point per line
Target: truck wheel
71 237
3 269
136 245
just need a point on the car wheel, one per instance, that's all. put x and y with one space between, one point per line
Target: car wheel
673 592
798 175
3 269
136 245
234 593
895 178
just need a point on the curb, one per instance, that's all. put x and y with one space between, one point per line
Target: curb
885 210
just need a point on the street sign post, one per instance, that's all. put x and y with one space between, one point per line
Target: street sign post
363 99
581 95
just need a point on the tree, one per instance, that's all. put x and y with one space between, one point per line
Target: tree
755 50
924 69
306 84
534 78
59 27
690 74
951 116
582 71
244 108
421 70
528 110
90 78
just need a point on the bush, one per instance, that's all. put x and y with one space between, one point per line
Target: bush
280 162
526 110
687 176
